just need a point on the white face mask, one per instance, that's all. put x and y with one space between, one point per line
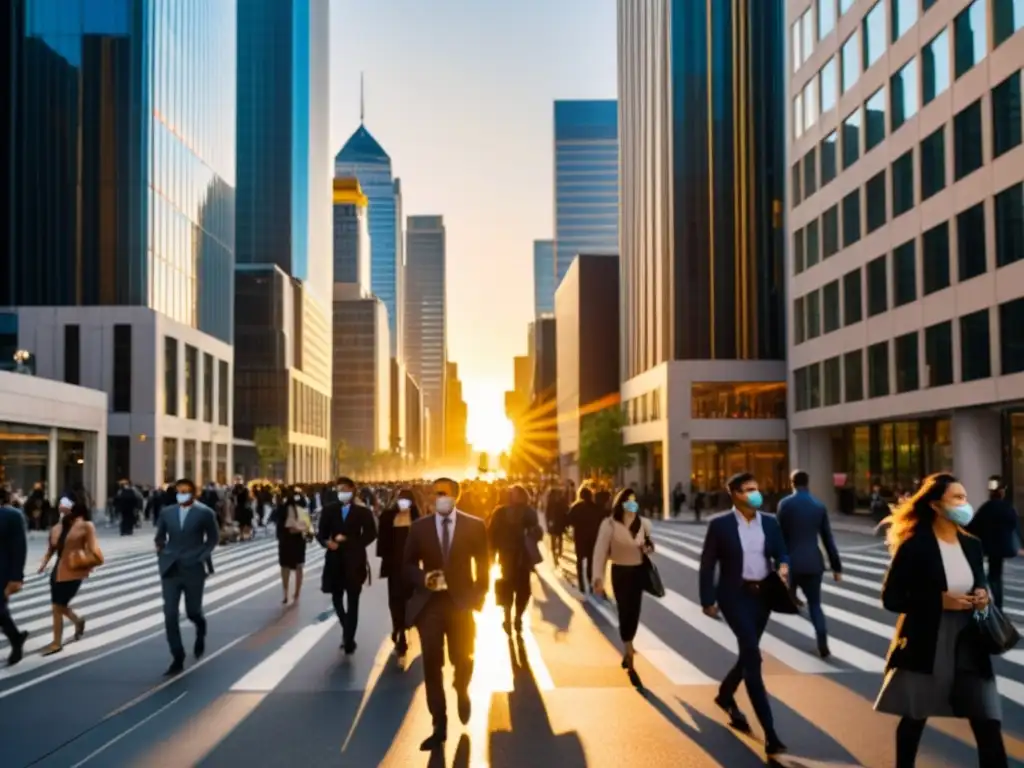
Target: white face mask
297 497
444 504
404 504
345 496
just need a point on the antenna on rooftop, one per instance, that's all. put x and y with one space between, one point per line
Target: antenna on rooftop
362 100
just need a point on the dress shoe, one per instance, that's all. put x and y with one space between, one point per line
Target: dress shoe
736 717
465 707
349 648
773 746
176 668
17 649
823 650
200 647
435 741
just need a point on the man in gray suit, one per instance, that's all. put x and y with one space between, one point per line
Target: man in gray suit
186 535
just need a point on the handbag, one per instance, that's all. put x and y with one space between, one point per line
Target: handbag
84 559
651 577
998 635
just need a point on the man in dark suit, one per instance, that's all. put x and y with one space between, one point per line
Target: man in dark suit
186 535
804 520
13 550
446 562
346 529
744 544
585 517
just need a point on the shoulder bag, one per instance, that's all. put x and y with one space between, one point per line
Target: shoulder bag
653 585
998 635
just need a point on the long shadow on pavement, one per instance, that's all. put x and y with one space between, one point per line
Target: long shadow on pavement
553 610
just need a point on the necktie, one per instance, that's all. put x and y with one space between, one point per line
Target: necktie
446 538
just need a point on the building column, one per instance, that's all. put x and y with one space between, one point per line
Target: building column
53 489
96 470
977 450
811 451
676 467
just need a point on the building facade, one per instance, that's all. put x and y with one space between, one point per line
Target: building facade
543 277
456 449
351 235
587 350
426 338
701 94
414 418
906 277
586 180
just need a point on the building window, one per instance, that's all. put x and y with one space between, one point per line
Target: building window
935 258
738 400
874 198
799 321
1006 126
121 397
903 183
798 252
853 376
208 375
935 67
814 385
933 163
810 173
795 184
222 463
851 61
189 463
970 243
907 379
170 376
223 392
73 354
851 139
191 382
878 369
830 306
1011 336
903 92
830 232
833 388
119 450
1009 209
802 396
904 274
170 460
874 34
812 247
975 347
874 120
1007 18
826 17
845 5
878 300
807 33
829 86
851 218
798 116
904 16
938 354
853 311
812 302
967 142
810 103
969 37
828 158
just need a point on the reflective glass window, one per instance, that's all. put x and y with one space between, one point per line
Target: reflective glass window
738 400
874 202
904 273
845 5
826 17
907 378
874 34
935 67
933 163
935 259
810 173
853 376
833 384
798 251
851 139
878 369
812 304
1011 336
1009 211
810 103
812 244
830 232
970 243
967 141
975 346
795 185
853 300
851 218
807 32
970 36
903 94
796 40
938 353
1007 18
829 159
904 16
830 306
874 120
851 61
799 321
827 79
903 183
798 116
878 296
1006 115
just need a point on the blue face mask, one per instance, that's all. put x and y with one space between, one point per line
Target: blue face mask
755 499
961 515
184 498
631 506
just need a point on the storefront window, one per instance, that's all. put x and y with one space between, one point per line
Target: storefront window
715 462
23 456
738 400
1017 459
170 459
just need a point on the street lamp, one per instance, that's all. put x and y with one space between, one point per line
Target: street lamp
23 361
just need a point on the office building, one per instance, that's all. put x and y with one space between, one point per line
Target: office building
414 419
587 350
118 222
701 240
351 235
523 458
906 277
586 180
456 449
283 230
543 277
426 339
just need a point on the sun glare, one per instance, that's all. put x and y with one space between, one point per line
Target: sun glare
489 431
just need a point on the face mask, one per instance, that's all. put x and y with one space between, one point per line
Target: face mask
184 498
993 485
961 515
297 497
630 506
345 496
755 499
444 504
404 504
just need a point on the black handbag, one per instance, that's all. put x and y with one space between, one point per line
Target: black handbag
998 635
653 584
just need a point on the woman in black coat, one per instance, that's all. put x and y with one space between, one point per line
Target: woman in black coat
393 531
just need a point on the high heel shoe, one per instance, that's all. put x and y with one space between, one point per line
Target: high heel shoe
80 629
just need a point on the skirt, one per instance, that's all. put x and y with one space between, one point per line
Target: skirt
291 550
62 592
919 695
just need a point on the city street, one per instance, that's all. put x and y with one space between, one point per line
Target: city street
275 690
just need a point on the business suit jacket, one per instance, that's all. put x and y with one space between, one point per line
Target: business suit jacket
346 567
997 525
13 546
722 548
190 548
913 588
803 520
467 555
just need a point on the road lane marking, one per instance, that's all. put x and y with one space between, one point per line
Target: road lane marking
268 674
131 730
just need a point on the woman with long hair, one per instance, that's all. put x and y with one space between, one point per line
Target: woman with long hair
393 531
73 541
293 526
937 665
624 538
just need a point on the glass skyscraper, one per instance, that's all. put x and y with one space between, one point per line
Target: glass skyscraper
543 277
122 184
586 180
351 236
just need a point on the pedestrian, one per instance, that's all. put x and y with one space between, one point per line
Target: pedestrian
997 525
513 533
394 526
13 551
585 517
292 525
186 536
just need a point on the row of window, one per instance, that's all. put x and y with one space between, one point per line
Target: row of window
841 379
194 374
207 471
804 28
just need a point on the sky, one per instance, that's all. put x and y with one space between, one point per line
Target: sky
460 94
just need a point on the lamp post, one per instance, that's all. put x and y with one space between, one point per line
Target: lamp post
23 361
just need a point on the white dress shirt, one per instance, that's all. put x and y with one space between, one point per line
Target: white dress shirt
755 563
183 515
451 527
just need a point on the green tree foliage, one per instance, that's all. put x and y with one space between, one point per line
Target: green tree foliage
271 448
602 451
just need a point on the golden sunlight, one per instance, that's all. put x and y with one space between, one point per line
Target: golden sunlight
488 430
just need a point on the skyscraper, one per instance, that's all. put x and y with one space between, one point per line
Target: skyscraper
351 235
701 94
543 277
284 220
586 181
426 340
120 245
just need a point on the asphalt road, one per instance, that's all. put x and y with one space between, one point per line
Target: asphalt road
275 690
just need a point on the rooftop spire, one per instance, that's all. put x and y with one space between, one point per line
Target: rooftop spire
362 100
